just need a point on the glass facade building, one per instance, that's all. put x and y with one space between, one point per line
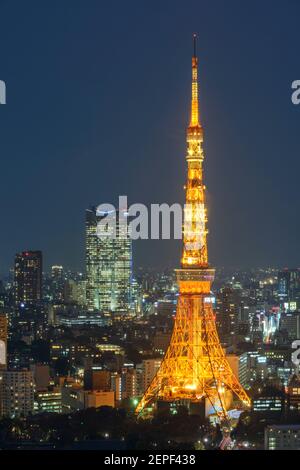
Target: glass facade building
108 262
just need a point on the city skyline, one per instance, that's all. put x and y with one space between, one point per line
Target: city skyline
149 279
60 164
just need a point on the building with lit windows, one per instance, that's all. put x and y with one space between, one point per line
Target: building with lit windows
57 271
265 404
3 341
243 370
97 398
270 401
282 437
150 367
79 319
48 401
59 350
28 277
116 385
57 282
74 292
289 286
290 324
227 309
17 393
293 393
129 383
108 266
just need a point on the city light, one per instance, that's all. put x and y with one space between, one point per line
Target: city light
165 322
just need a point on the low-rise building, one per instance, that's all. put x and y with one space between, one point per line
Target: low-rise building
48 401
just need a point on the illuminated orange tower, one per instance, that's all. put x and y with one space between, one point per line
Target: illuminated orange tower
195 366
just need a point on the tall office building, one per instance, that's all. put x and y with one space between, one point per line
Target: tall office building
74 292
108 266
3 341
57 283
290 324
227 309
28 277
150 368
289 288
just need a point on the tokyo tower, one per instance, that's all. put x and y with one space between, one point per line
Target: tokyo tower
195 366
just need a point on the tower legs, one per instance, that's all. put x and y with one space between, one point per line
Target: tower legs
195 365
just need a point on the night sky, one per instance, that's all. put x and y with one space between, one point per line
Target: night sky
98 100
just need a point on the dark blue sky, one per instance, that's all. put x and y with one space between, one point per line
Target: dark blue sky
97 105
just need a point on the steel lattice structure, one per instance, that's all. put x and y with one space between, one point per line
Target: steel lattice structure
195 365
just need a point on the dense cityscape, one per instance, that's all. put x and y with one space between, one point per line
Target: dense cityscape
68 362
120 356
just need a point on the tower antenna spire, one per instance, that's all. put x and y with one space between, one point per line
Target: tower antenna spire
194 122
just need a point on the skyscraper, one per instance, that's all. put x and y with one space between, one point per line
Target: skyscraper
57 282
3 341
28 277
108 266
289 287
227 309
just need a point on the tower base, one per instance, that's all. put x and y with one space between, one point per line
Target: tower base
195 366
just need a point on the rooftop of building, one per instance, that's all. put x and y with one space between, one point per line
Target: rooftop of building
284 427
